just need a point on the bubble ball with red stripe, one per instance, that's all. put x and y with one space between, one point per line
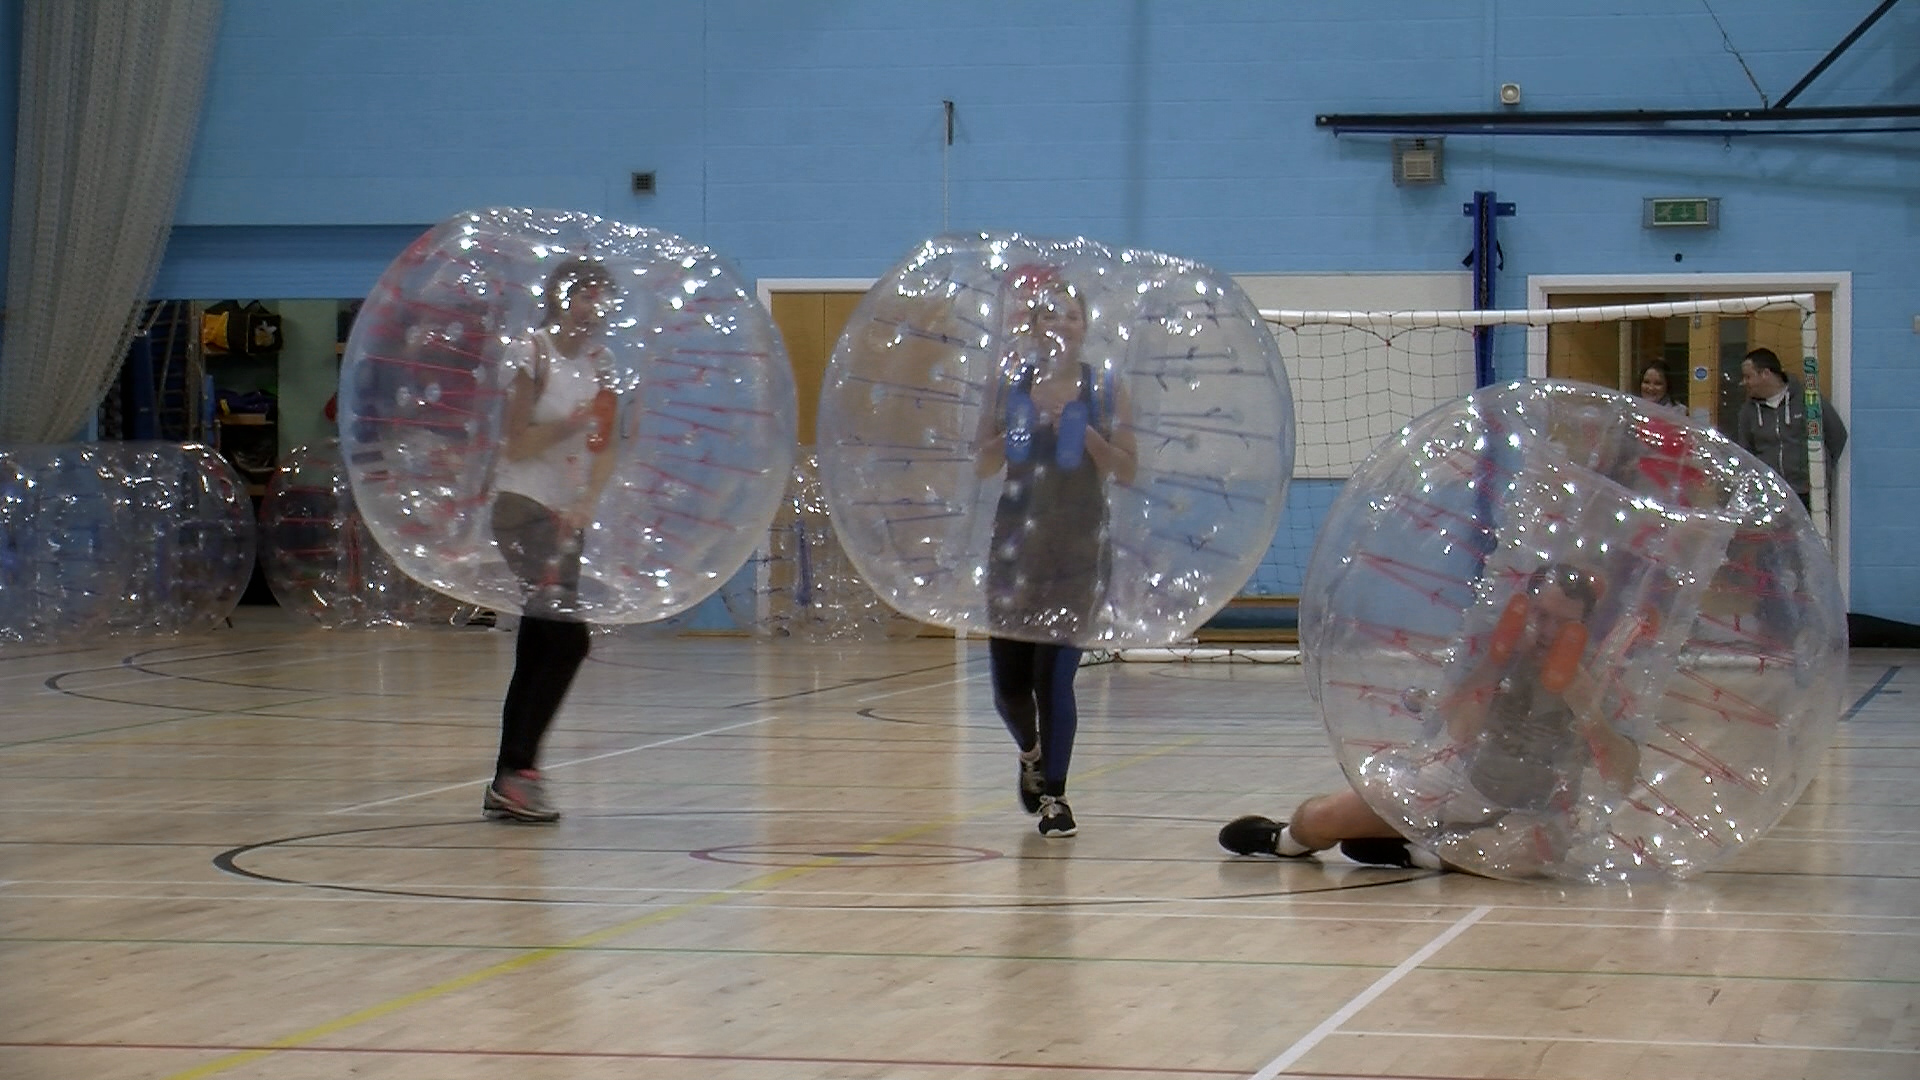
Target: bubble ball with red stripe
320 560
1056 441
547 411
1557 632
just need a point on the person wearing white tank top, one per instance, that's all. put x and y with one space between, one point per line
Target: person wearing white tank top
556 457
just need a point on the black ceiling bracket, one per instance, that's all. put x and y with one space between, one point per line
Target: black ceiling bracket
1776 119
1827 60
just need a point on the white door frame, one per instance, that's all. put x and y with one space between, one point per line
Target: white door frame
1540 287
766 287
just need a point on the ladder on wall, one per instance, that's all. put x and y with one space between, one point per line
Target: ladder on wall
162 381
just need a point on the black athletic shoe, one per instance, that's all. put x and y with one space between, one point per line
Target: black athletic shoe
1033 781
1056 817
1253 835
1379 851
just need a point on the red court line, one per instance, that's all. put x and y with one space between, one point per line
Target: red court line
609 1055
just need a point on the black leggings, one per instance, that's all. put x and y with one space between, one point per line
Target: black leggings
1033 689
547 652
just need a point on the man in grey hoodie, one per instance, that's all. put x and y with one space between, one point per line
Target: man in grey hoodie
1772 423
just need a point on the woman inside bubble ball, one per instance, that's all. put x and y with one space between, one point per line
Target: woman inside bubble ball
1059 430
1527 718
555 459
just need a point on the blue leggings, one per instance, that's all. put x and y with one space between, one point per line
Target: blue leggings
1033 689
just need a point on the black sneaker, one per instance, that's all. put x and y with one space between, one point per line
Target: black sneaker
1056 817
1379 851
1255 835
1402 854
1033 781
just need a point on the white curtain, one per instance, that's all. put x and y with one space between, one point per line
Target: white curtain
110 96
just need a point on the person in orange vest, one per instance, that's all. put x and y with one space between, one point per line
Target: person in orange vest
1526 718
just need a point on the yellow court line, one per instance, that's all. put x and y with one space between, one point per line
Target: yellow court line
535 956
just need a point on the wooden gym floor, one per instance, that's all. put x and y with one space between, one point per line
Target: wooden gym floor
258 853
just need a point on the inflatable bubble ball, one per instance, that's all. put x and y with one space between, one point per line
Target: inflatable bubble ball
800 585
120 538
1055 441
321 561
1557 634
553 413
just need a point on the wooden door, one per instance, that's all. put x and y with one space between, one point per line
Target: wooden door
1702 353
1610 353
810 323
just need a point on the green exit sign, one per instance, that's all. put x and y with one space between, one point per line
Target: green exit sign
1699 212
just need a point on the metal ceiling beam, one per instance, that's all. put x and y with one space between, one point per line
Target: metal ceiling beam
1439 122
1826 61
1660 131
1621 121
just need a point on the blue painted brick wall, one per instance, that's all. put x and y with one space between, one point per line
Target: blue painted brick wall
804 140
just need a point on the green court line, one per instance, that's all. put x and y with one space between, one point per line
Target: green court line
850 954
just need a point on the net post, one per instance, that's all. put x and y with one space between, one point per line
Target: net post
1819 501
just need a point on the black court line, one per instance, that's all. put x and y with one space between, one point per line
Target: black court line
133 662
873 714
229 862
51 652
1873 691
855 683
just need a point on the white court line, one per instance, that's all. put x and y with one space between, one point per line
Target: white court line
921 689
1701 1043
556 765
1311 1039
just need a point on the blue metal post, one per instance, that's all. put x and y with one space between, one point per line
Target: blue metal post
1485 210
